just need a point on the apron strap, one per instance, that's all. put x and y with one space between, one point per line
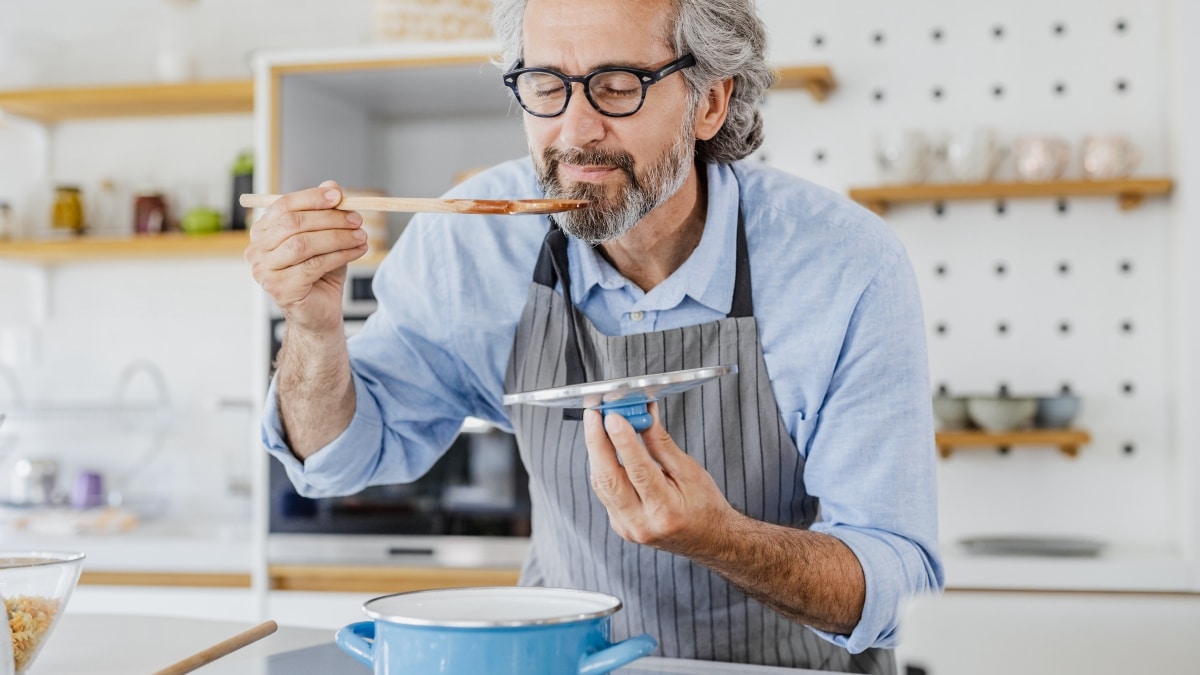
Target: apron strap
552 268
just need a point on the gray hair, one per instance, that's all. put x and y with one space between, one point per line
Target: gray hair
728 40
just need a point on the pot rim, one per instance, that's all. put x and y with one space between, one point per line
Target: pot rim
616 605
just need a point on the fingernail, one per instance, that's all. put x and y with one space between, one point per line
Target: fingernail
360 235
326 183
354 218
333 196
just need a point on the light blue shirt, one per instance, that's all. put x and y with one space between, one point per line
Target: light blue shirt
839 318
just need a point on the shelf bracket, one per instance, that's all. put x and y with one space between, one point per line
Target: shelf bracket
1127 201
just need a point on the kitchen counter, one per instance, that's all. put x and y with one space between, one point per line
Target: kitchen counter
101 644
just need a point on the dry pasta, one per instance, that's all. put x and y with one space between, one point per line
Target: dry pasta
29 617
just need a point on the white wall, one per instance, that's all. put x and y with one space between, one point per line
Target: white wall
69 331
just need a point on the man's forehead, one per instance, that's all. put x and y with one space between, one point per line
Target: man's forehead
596 33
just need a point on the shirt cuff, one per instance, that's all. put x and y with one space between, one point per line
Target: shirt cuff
884 584
342 467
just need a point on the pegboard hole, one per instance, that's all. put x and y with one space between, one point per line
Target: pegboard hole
1128 388
1059 29
1062 206
1065 389
938 93
941 269
938 34
1002 390
1000 269
998 91
1064 327
877 37
1122 86
1128 448
818 41
877 95
1122 26
1001 208
819 156
1002 328
1126 267
998 32
1064 268
1127 327
1060 88
942 329
939 209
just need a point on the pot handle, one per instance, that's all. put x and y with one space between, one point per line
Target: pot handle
617 655
358 640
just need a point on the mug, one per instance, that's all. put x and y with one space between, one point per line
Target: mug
516 630
972 156
1108 156
1041 158
904 156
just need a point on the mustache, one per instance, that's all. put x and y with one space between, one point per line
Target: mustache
552 157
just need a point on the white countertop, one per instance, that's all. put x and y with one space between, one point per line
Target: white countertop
101 644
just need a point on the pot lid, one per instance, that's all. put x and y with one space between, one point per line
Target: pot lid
491 607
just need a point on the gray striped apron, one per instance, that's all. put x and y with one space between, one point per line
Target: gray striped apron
731 426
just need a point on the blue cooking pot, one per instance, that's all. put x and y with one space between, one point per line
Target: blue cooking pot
517 630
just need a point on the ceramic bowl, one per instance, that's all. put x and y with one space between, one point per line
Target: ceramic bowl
951 412
1001 413
35 587
1056 412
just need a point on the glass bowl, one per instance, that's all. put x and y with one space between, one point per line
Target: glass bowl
35 586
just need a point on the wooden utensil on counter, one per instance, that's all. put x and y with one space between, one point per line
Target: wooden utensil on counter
206 656
492 207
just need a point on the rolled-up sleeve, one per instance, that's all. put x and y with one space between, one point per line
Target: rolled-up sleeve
872 460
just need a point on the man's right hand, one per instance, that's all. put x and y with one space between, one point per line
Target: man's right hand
298 253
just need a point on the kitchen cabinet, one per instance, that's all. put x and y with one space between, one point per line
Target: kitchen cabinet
1129 192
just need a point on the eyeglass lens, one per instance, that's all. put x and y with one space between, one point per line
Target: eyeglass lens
615 91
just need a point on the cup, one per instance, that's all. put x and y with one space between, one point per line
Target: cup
973 156
88 491
904 156
1108 156
1041 158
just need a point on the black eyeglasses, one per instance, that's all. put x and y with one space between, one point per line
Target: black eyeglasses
616 92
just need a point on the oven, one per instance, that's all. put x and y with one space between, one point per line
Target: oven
471 508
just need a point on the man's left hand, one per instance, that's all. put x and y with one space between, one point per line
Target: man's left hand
654 492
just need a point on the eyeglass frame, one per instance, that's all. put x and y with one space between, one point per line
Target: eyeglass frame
646 77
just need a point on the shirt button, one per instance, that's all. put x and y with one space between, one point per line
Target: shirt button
636 316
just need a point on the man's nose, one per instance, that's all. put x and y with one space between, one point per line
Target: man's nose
580 124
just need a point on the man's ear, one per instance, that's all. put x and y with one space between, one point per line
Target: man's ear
712 109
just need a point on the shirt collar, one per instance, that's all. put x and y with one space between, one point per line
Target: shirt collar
706 276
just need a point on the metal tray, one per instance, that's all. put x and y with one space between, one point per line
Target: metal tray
638 389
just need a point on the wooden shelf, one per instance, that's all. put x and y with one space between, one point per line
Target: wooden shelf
83 249
152 100
384 579
1129 191
817 80
1067 440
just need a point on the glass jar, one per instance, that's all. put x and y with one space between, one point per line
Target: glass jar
68 209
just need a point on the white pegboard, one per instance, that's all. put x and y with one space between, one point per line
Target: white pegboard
1037 294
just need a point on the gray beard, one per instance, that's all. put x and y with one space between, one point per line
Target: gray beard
607 218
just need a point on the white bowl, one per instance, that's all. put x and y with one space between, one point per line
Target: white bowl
951 412
1001 413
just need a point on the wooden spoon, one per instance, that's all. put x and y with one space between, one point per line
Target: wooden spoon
206 656
493 207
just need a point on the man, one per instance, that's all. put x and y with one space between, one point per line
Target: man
779 516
